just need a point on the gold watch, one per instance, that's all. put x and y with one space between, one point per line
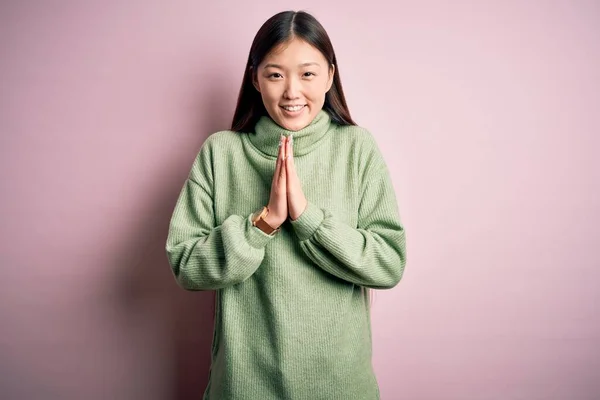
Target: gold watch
258 220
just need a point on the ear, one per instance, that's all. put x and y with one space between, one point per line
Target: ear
330 78
254 79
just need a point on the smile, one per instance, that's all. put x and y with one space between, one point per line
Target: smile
292 108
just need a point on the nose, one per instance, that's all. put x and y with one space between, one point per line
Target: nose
292 89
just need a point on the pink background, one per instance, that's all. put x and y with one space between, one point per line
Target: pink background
487 113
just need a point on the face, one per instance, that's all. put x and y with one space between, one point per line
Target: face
293 80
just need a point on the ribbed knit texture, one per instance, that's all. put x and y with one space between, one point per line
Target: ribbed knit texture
292 317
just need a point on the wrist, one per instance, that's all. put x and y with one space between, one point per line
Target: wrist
295 217
272 221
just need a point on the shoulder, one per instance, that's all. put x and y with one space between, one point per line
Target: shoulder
357 136
361 140
222 140
366 153
215 148
355 132
218 144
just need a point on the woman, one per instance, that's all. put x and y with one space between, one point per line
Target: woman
290 216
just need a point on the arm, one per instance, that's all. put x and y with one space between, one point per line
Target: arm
374 253
204 256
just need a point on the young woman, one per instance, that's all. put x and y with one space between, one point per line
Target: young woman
290 217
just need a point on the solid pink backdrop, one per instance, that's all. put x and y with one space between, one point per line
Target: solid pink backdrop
487 115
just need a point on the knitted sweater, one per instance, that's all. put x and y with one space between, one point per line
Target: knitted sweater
291 313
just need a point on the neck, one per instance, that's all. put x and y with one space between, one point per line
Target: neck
267 134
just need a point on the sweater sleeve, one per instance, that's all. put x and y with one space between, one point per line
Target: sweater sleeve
203 255
373 254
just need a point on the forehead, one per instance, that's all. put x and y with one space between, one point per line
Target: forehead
295 51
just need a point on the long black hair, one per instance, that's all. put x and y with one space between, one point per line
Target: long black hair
278 29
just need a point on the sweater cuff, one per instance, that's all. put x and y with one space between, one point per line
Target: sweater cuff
255 237
308 222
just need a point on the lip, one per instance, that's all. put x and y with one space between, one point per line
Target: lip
292 105
293 114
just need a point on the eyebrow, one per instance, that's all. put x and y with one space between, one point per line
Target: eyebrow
306 64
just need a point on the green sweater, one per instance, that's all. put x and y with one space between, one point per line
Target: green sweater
292 314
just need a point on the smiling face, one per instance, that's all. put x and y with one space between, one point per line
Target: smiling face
293 80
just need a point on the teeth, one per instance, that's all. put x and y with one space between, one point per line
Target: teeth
295 108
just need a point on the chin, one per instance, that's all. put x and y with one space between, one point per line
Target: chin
296 123
295 126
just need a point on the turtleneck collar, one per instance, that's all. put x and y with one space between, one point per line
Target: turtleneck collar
267 134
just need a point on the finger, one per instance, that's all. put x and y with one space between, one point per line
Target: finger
278 164
282 151
288 147
290 166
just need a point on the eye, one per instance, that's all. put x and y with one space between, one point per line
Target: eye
274 75
309 74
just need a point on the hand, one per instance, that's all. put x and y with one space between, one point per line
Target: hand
296 201
278 206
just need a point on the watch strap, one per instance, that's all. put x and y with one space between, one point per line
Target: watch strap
261 224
